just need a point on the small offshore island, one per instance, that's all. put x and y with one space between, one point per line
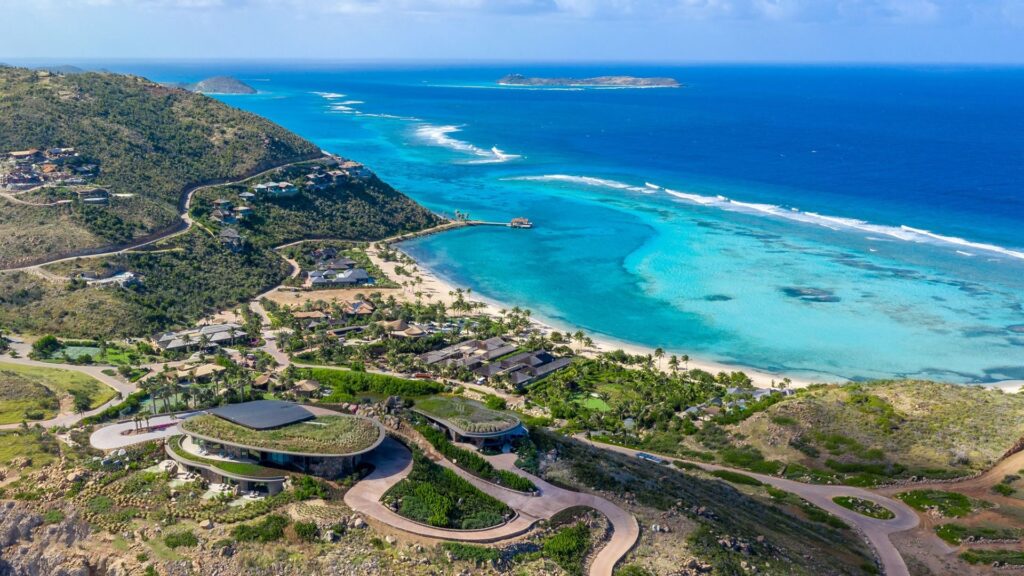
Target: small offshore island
597 81
220 85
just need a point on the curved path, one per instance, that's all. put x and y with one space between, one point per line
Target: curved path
115 435
876 531
393 462
186 204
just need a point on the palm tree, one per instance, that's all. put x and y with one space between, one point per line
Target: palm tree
673 363
686 362
659 353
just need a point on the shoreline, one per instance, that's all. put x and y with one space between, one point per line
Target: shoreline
439 288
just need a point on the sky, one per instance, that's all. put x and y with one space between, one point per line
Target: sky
876 31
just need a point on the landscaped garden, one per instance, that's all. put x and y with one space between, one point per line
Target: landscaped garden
238 468
34 393
434 495
467 415
324 435
473 462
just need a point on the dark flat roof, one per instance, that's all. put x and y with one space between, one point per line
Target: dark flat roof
263 414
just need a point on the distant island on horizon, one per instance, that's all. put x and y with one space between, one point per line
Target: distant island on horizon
612 81
215 85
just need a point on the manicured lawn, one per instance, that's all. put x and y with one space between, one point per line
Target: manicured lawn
34 393
592 403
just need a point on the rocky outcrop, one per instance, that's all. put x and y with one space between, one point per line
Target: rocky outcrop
30 547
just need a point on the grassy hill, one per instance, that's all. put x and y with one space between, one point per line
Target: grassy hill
31 393
889 429
149 140
154 142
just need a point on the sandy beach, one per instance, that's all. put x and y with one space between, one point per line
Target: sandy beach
434 288
437 289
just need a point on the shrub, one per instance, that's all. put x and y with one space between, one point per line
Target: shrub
267 530
306 531
736 477
308 488
178 539
470 552
53 516
1003 489
948 504
568 548
865 507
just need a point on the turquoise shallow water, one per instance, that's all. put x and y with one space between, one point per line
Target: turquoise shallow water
849 222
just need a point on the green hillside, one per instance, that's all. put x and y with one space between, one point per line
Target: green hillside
149 140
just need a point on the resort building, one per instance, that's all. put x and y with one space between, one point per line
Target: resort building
334 278
469 421
255 445
276 189
205 336
523 368
470 354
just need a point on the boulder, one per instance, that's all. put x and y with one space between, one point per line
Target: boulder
206 524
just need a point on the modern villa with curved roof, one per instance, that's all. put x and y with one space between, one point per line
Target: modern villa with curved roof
471 422
255 444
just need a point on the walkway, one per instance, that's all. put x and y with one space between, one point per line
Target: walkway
393 462
876 531
114 436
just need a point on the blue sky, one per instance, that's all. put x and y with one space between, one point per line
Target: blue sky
549 30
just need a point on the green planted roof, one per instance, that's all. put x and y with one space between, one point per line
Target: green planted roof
467 415
324 435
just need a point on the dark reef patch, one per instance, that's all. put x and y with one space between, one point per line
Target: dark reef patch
718 298
810 294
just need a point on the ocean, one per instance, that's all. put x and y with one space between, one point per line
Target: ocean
821 222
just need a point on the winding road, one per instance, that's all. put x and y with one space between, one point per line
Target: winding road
186 205
876 531
393 462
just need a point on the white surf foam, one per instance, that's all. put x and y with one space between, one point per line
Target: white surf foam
586 181
440 136
877 232
329 95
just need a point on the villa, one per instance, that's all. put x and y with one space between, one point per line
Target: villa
276 189
523 368
255 445
470 354
213 335
470 422
332 278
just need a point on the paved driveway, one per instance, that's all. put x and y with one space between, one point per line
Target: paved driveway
394 462
114 436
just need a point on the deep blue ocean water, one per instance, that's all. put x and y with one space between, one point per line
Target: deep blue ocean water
820 221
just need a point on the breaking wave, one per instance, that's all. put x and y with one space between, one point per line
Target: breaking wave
441 136
876 231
